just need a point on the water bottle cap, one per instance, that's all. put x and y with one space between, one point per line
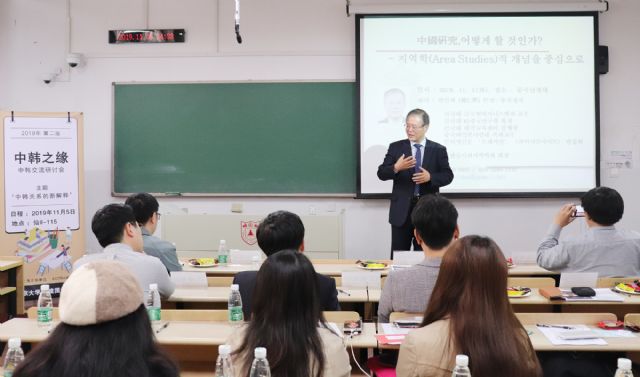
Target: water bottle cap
224 349
235 287
260 353
153 286
462 360
44 287
15 343
624 364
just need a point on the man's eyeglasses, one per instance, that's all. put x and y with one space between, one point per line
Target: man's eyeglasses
412 126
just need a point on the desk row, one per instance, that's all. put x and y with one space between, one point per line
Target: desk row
364 295
179 332
335 267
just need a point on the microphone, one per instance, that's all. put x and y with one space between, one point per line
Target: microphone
237 16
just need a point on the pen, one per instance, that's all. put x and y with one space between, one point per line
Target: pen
345 292
554 326
162 327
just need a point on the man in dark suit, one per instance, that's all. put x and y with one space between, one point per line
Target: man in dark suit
279 231
418 167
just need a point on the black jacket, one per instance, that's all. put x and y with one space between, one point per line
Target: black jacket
327 293
435 161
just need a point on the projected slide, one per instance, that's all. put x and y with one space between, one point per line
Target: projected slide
513 98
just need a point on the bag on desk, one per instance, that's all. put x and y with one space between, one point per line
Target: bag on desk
552 293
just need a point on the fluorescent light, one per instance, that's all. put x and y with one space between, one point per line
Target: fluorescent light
390 7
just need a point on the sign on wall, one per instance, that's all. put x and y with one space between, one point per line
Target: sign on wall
43 195
41 174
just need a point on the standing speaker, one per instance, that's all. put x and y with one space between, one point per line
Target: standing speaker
603 59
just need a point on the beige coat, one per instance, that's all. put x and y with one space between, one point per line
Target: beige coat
336 357
425 352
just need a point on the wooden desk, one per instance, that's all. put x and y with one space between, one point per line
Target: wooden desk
221 295
336 269
193 344
329 269
192 333
541 343
11 288
537 299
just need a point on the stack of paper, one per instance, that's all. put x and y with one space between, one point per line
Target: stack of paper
563 336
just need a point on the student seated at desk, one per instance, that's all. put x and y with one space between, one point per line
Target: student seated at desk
117 230
602 248
104 330
279 231
145 208
287 320
436 226
469 313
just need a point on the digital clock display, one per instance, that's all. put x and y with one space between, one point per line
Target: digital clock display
147 36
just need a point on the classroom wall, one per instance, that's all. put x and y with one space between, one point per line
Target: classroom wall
283 40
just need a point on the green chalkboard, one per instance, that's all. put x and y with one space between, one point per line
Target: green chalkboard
235 138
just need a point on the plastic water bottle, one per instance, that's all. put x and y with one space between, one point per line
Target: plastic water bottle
255 262
236 317
260 365
224 367
153 305
14 357
223 253
45 307
624 368
462 367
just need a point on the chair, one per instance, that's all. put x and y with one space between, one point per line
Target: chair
632 319
400 315
219 281
32 313
378 369
194 315
338 280
339 316
565 318
611 282
531 282
333 261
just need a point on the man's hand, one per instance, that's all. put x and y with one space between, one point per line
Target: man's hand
422 177
404 163
565 215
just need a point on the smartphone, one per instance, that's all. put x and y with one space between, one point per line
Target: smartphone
409 323
579 211
352 327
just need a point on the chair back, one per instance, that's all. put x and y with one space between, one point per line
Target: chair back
333 261
394 316
565 318
531 282
611 282
339 317
194 315
632 319
219 281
